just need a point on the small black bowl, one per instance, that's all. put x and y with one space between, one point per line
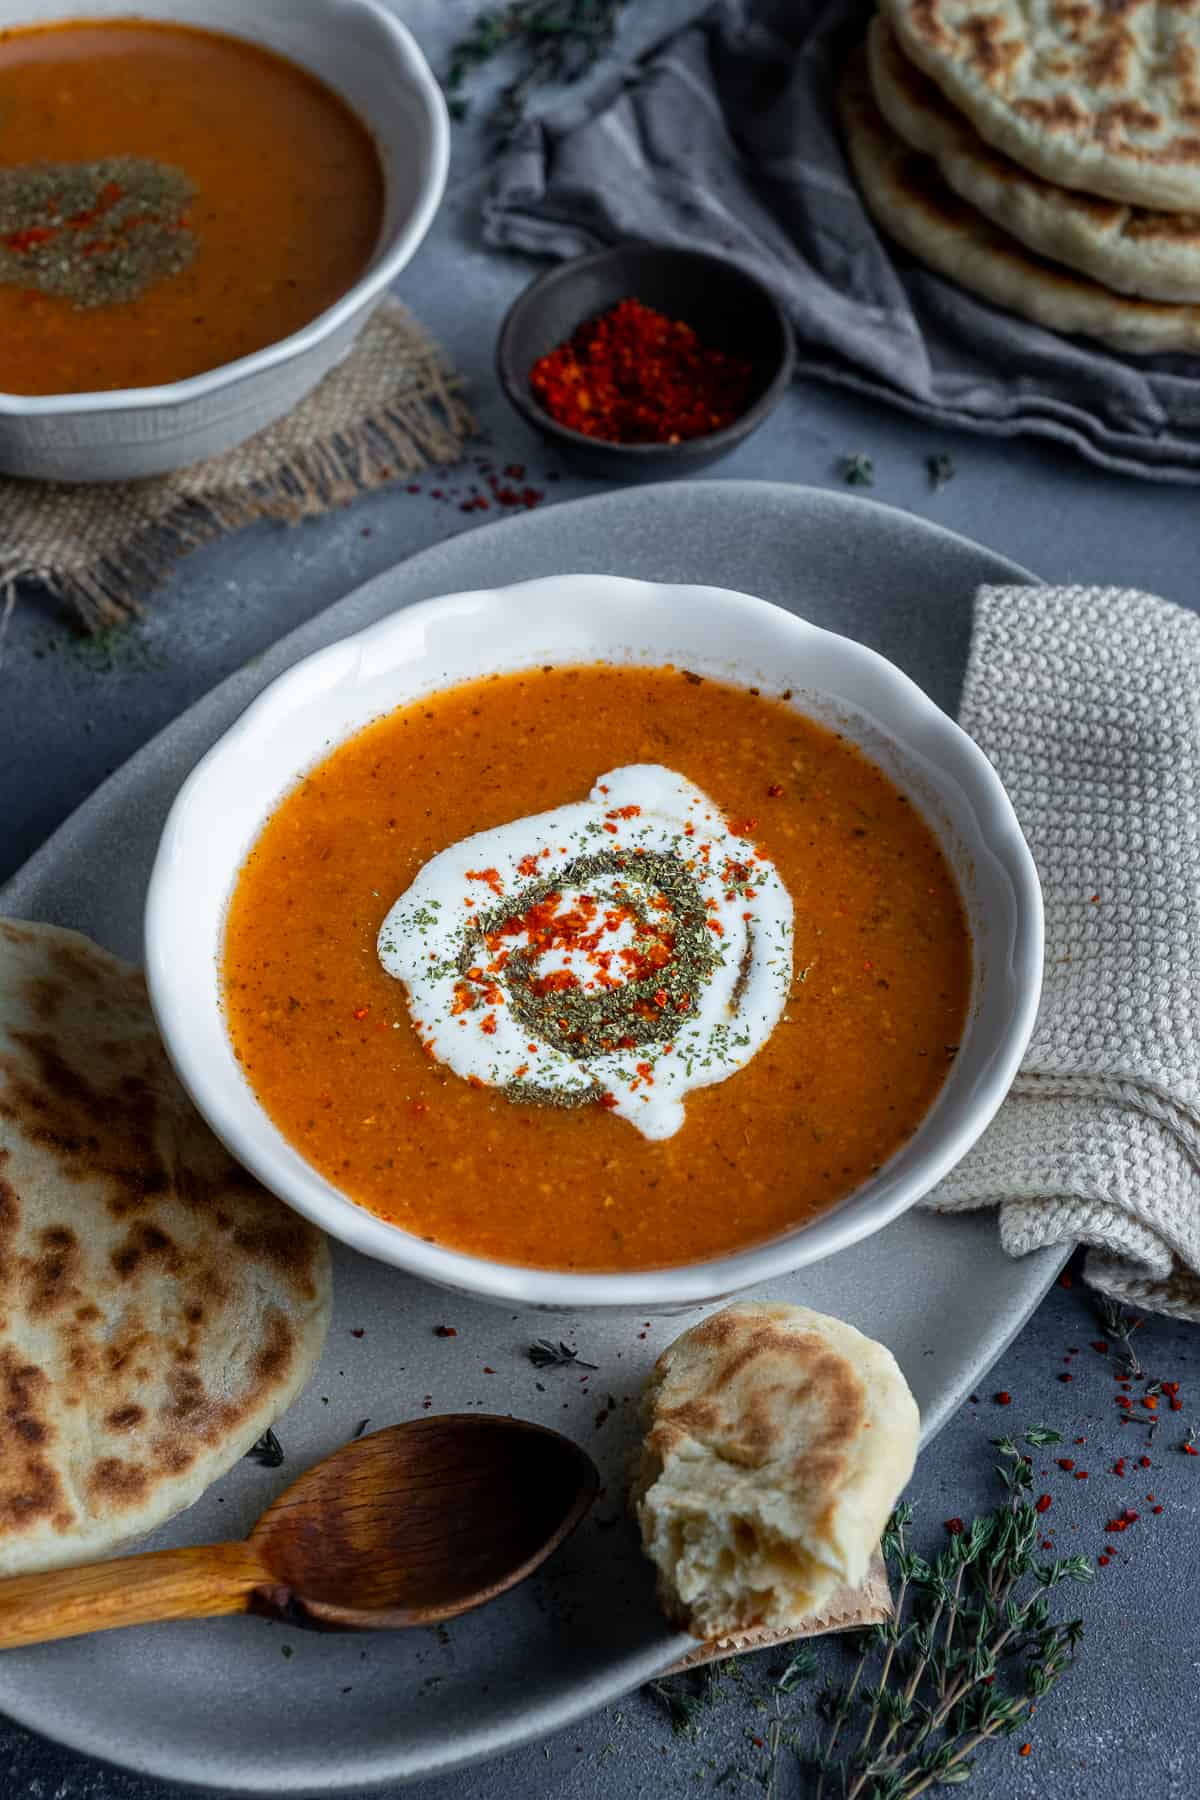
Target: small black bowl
727 308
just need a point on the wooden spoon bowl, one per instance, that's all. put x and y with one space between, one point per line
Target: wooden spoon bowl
408 1526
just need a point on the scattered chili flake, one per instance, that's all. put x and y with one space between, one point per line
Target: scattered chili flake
358 1332
634 376
1177 1406
1119 1466
1066 1377
1156 1509
360 1012
1003 1398
1081 1474
1064 1462
953 1526
1100 1345
1043 1503
445 1331
1143 1462
775 791
1025 1749
487 1370
1103 1561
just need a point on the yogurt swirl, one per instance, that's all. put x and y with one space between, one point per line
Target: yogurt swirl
620 951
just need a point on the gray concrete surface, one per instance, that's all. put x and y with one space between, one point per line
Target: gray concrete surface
1120 1723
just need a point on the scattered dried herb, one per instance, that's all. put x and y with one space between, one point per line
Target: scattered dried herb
94 233
268 1451
550 41
941 470
858 470
545 1355
1041 1435
1121 1329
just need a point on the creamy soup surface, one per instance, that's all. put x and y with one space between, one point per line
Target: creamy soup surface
701 969
286 210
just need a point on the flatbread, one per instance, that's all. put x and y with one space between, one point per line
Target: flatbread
1102 95
908 198
1130 248
776 1441
158 1308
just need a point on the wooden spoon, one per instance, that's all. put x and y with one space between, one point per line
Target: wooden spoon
408 1526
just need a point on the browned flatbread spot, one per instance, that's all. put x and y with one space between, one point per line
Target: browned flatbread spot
160 1308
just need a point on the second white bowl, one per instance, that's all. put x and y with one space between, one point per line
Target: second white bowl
373 62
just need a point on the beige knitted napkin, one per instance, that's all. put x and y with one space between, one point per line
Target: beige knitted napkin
389 408
1087 700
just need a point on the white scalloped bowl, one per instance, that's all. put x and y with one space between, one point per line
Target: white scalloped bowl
361 51
325 699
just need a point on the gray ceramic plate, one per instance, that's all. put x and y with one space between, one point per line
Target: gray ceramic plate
222 1704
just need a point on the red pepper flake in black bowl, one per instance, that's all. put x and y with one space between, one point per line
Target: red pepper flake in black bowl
643 360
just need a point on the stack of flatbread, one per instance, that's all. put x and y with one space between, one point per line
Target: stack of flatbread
1045 155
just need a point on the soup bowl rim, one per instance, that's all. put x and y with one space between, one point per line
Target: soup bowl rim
203 847
393 253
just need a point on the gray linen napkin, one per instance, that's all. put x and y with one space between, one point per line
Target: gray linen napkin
723 138
1087 700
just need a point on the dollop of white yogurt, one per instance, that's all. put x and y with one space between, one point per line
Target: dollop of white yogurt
620 951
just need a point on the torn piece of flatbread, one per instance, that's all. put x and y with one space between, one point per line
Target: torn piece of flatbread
776 1443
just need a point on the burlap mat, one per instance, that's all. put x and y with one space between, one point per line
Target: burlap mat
391 407
848 1609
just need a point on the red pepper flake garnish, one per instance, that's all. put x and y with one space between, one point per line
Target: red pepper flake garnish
607 1101
634 376
1124 1400
1066 1377
743 828
775 790
1100 1345
487 1370
1003 1398
1150 1401
1081 1475
1025 1750
445 1331
1064 1462
1119 1466
360 1012
358 1332
1177 1406
1043 1503
1103 1561
1143 1462
953 1526
491 876
1156 1509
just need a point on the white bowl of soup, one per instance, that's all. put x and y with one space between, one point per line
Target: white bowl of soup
595 943
199 208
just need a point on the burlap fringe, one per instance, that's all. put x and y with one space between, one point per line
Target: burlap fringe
402 439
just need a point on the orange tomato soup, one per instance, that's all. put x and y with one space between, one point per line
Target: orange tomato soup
882 974
287 207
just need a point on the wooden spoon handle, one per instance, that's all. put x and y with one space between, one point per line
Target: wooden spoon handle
195 1583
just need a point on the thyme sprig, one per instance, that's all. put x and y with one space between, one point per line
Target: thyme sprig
550 40
969 1650
1119 1326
